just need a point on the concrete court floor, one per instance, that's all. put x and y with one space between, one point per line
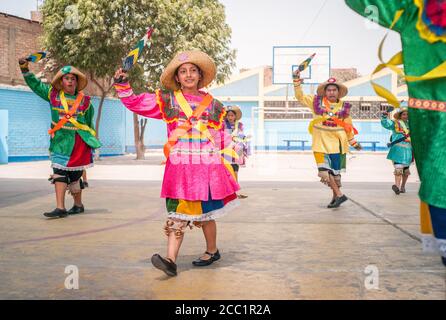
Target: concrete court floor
280 243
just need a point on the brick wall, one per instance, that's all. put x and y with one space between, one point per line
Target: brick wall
19 38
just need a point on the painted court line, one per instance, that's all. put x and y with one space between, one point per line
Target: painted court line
81 233
389 222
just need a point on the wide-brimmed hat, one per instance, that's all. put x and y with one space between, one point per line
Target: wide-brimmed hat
397 114
236 110
81 78
199 58
343 91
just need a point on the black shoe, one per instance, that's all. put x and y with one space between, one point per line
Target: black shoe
331 202
203 263
338 201
396 189
443 259
56 213
76 210
166 265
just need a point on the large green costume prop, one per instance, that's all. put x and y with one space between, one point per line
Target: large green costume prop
422 27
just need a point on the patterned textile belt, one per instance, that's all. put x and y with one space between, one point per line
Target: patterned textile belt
327 128
193 151
65 127
404 144
427 104
329 123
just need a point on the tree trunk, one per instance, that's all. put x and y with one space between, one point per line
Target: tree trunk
98 121
138 132
104 92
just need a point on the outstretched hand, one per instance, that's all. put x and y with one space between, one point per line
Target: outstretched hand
23 61
296 74
120 76
24 65
296 78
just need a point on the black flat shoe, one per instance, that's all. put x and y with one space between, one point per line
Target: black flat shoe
76 210
166 265
338 201
396 189
331 202
56 213
203 263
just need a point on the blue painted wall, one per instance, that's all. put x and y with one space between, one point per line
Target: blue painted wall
277 131
112 130
155 135
3 136
29 120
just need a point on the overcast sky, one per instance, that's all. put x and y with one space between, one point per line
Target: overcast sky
259 25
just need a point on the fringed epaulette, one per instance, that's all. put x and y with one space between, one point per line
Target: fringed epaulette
164 100
216 115
317 105
345 111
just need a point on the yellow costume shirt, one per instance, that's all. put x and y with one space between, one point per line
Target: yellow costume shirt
328 136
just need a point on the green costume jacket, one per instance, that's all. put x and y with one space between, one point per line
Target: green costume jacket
63 142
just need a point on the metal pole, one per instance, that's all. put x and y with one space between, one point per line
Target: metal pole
286 101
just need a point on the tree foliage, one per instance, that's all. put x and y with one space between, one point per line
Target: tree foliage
95 35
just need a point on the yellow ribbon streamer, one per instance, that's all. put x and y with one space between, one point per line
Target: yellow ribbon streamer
315 122
397 60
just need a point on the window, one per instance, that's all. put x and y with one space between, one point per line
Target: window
365 107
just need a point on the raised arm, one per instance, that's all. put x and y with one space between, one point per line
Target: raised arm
306 100
145 104
37 86
387 123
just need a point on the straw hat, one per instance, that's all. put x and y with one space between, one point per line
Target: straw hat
397 115
236 110
81 78
199 58
342 88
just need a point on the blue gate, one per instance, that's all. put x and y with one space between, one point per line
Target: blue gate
3 136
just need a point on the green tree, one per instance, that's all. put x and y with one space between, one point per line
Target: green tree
95 35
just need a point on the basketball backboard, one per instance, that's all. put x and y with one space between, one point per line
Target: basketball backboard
287 58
